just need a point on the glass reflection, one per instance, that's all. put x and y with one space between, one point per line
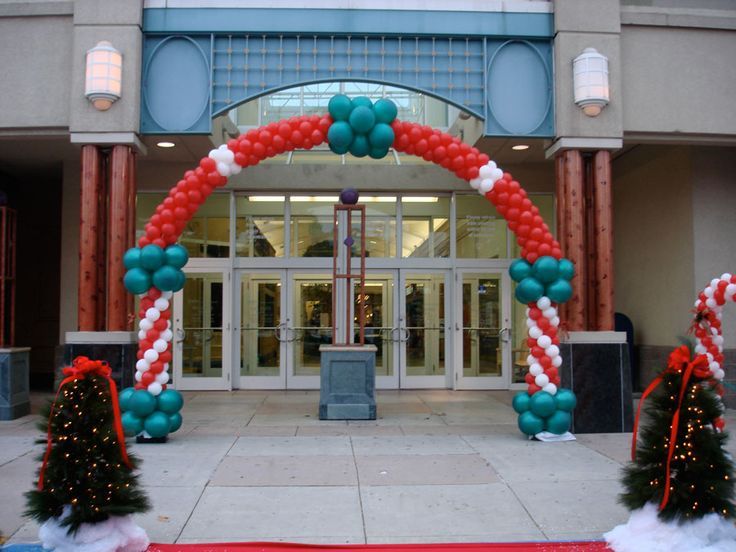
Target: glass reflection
260 348
313 323
425 324
259 228
202 326
481 325
481 233
377 300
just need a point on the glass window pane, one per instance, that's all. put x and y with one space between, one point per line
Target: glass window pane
425 227
312 324
202 326
481 232
380 227
259 226
208 232
260 348
481 325
424 333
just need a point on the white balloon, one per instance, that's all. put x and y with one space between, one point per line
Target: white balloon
167 294
145 324
214 154
162 378
549 313
226 154
711 303
155 388
492 164
544 303
557 361
475 183
550 388
536 333
714 282
166 367
530 323
714 366
709 357
160 345
153 314
544 341
730 290
530 359
161 304
718 340
486 185
536 369
541 380
485 171
151 355
555 321
141 334
496 174
700 349
697 303
719 374
552 351
235 168
142 365
138 376
223 169
726 276
167 335
708 291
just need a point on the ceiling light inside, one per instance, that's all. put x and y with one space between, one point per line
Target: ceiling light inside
520 147
165 144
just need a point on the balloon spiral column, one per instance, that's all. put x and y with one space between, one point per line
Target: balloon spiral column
362 128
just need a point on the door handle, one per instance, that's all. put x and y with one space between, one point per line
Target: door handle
181 335
505 334
405 337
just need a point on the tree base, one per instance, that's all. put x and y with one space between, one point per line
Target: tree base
116 534
646 532
143 439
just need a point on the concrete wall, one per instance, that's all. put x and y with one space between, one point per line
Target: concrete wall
69 281
653 241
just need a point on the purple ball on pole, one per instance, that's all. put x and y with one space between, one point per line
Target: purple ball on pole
349 196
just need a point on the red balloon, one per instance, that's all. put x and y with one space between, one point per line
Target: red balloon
446 162
278 144
434 141
528 378
502 198
483 159
153 232
232 145
552 373
297 138
535 313
533 388
532 257
537 352
139 386
458 161
545 361
544 249
155 220
208 164
152 335
161 243
165 357
402 142
307 144
501 187
317 137
157 367
543 324
440 153
160 324
181 213
531 342
557 253
152 294
514 187
306 128
472 172
195 196
453 150
213 178
513 215
241 159
523 230
512 224
168 203
515 200
427 155
259 148
147 378
145 344
168 229
421 146
192 207
415 134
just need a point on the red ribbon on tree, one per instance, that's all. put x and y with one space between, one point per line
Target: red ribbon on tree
81 367
679 363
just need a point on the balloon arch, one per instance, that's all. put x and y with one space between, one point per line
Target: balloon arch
362 128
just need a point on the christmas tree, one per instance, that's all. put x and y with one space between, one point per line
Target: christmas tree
86 476
680 463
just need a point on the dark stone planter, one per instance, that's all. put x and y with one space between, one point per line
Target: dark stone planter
596 367
347 383
14 383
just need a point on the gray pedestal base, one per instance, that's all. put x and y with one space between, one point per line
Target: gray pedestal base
14 373
347 383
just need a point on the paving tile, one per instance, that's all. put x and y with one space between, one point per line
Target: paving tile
390 408
292 408
171 507
274 471
533 536
27 533
616 446
267 431
15 446
410 444
356 539
438 511
16 477
425 469
560 508
178 470
291 420
461 429
291 446
209 445
408 419
524 460
242 514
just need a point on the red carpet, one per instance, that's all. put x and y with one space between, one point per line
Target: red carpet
455 547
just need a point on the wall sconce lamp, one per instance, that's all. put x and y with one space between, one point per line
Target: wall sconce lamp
103 80
590 81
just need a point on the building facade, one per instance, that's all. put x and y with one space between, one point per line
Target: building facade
641 195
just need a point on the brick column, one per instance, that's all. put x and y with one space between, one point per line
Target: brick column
87 307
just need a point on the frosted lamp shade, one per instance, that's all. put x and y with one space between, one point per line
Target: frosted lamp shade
104 75
590 81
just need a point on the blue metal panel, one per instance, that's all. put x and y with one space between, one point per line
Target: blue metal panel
335 21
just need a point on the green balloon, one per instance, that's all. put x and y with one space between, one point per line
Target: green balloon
542 404
175 421
520 269
166 278
132 424
362 101
152 257
339 107
558 423
338 150
169 401
132 258
180 280
385 111
559 291
545 269
378 153
142 403
176 255
530 423
137 280
157 424
529 290
565 400
566 269
382 136
124 398
360 146
362 119
521 402
340 134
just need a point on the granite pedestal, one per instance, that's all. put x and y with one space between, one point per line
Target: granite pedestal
119 349
596 366
347 383
14 377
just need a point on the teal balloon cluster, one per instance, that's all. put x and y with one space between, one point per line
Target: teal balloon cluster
360 126
546 277
154 266
544 412
157 416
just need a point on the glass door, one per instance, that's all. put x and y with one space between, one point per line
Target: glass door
482 330
202 332
261 332
381 310
422 329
